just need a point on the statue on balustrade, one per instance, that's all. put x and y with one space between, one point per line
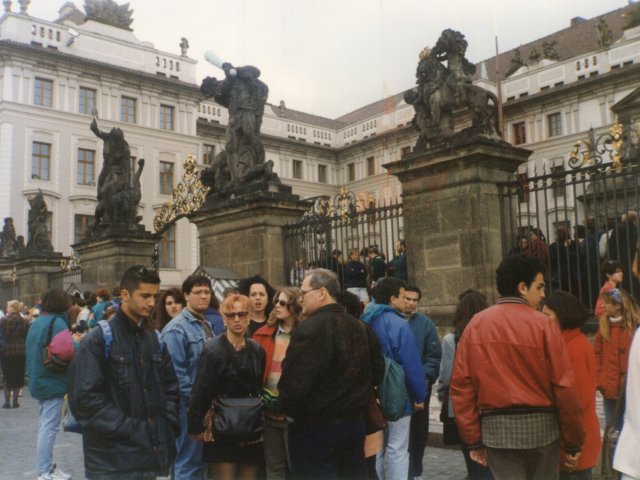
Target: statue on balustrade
118 192
242 163
441 89
8 244
39 243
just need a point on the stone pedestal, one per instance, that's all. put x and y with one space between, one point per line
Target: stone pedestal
451 215
245 233
32 276
104 261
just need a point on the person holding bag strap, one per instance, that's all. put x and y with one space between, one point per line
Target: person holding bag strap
229 375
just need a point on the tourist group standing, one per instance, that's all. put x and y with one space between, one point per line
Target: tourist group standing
315 381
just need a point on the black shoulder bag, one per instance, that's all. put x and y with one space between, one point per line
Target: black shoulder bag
238 418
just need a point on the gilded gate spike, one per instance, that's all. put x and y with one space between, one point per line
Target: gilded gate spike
615 133
186 198
595 150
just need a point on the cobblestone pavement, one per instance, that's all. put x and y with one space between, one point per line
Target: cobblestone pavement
19 426
19 430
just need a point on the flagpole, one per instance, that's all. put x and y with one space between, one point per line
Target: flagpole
498 81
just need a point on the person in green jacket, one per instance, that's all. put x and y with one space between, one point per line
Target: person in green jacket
45 385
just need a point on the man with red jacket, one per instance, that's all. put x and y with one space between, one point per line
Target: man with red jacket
513 388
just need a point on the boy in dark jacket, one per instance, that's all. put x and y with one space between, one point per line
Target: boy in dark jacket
125 395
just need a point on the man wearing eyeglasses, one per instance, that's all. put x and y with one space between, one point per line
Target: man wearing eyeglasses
331 365
185 336
124 391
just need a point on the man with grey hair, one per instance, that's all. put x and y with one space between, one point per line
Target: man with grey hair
331 365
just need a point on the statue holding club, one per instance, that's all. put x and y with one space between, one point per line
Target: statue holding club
244 95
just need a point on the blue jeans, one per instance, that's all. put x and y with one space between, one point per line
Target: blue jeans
188 464
396 451
328 450
610 411
49 413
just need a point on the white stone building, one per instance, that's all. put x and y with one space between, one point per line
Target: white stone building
52 76
53 73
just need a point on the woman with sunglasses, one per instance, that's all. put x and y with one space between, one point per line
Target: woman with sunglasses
231 365
274 337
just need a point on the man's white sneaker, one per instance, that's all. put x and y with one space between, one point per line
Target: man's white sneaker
45 476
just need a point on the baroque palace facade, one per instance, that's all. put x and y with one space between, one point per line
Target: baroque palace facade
54 73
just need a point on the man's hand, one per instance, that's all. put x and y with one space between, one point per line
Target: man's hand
479 456
571 461
418 406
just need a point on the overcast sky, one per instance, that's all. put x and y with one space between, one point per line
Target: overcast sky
330 57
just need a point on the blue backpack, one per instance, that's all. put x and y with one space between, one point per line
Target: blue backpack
69 422
393 390
108 337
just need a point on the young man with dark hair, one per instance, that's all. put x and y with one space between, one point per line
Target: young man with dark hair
328 374
430 351
185 336
513 388
397 343
124 391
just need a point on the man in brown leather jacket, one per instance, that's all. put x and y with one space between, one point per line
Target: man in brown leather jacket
513 388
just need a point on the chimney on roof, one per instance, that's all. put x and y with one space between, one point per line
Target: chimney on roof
577 20
281 107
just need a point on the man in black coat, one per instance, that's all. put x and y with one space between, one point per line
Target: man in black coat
328 374
124 390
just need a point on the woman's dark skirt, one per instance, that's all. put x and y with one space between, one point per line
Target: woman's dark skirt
233 452
13 369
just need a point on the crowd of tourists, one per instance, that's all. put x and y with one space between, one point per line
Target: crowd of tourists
316 382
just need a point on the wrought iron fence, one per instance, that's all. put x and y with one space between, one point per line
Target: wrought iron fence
65 279
333 227
575 219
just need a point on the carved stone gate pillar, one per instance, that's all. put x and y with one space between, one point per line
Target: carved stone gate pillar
451 213
104 261
245 234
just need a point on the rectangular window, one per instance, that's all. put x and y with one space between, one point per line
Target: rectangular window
351 172
82 226
167 248
554 124
127 109
523 189
208 154
405 151
322 174
519 133
559 182
166 117
371 166
43 92
40 161
87 100
86 167
166 178
297 169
